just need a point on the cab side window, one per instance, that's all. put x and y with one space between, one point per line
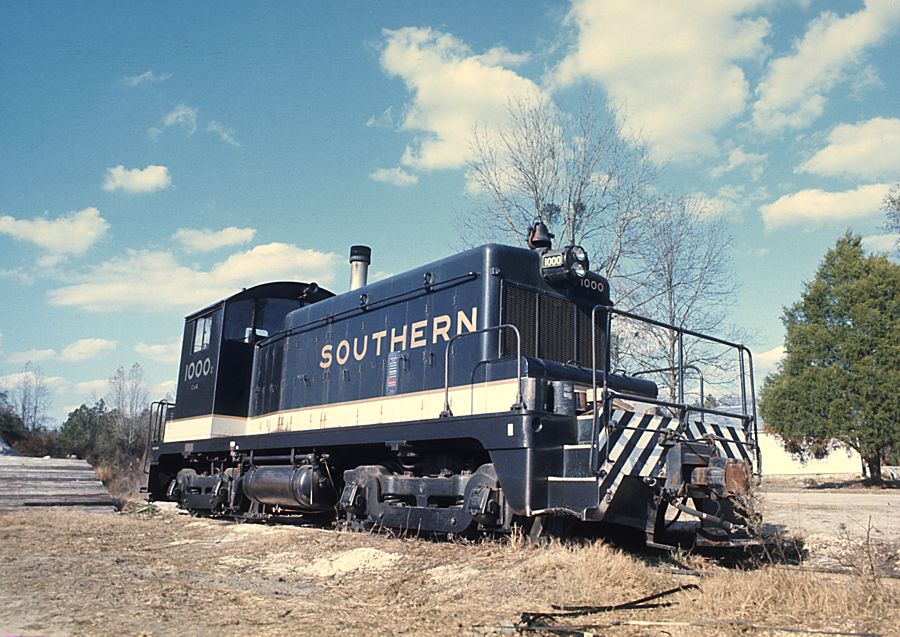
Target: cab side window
202 330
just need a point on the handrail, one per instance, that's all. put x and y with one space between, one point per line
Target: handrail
745 417
672 369
519 404
369 306
159 414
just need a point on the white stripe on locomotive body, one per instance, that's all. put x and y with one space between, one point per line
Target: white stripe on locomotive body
484 398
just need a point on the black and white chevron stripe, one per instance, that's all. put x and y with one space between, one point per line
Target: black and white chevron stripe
728 436
631 445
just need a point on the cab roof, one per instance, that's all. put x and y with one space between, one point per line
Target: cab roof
311 292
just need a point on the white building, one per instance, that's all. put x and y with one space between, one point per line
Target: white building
776 461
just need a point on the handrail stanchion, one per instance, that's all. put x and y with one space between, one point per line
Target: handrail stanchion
520 403
595 428
607 401
753 409
159 415
680 367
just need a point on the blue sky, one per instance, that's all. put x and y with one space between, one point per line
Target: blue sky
157 157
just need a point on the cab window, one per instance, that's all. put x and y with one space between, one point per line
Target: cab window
202 330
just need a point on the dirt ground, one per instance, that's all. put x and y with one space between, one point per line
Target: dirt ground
163 573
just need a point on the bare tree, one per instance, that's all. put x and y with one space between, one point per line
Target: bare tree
577 171
686 282
891 207
663 256
128 396
31 398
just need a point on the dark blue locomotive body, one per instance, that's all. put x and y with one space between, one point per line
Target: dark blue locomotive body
470 393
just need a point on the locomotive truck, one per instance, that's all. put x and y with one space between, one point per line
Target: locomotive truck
470 395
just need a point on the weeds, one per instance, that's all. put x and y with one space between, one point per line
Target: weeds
866 557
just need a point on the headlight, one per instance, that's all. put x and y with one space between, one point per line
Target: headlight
579 253
579 269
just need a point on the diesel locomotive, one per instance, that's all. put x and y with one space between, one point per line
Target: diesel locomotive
473 394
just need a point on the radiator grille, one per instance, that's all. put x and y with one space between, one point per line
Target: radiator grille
520 309
556 328
551 328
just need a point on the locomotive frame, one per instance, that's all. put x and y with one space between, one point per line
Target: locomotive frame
469 395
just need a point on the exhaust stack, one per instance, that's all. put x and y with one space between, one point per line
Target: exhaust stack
360 258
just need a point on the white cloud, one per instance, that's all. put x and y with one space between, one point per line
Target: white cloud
738 157
766 362
223 132
160 352
452 91
71 234
18 275
882 243
166 387
133 282
92 388
182 115
137 180
395 176
869 150
500 56
31 356
863 80
11 381
80 350
147 77
818 206
792 92
670 65
86 348
709 206
384 120
207 240
729 200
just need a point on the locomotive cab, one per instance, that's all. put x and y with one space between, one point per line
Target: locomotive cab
217 352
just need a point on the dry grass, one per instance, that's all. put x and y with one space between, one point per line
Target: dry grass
73 573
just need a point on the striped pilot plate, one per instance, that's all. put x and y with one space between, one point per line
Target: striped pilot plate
729 438
631 445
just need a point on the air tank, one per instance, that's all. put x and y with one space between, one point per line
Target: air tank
303 486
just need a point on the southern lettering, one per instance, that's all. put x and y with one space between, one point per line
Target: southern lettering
408 336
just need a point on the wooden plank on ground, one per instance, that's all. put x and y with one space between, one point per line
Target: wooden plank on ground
50 482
